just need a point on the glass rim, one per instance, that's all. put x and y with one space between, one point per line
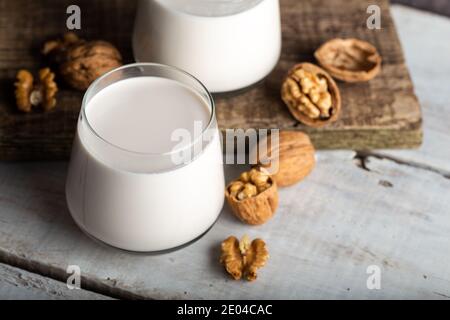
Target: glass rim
94 84
208 17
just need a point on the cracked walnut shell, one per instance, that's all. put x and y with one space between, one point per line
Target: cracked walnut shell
82 62
243 258
349 60
289 159
311 95
253 197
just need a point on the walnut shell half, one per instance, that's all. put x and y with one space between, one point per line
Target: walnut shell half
253 197
349 60
311 95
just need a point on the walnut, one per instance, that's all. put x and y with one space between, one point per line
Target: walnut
289 159
349 60
243 258
58 48
30 94
81 62
48 88
24 87
253 197
311 95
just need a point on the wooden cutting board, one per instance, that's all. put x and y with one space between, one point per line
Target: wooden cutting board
383 113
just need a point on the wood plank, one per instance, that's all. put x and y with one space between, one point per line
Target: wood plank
327 231
430 69
17 284
381 113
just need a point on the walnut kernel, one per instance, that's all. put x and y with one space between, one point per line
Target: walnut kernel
48 88
24 87
243 258
31 94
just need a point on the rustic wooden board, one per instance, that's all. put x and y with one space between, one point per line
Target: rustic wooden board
383 113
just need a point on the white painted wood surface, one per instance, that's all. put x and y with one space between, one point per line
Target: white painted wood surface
425 38
17 284
349 214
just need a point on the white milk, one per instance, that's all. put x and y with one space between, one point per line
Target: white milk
227 44
211 8
138 199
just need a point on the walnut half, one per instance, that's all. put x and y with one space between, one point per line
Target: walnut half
253 197
243 258
24 87
311 95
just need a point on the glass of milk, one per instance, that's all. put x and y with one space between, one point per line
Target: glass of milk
146 170
227 44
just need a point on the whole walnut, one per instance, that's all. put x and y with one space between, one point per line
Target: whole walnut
289 159
81 62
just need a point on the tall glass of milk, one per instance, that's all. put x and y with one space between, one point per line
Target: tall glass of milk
227 44
146 169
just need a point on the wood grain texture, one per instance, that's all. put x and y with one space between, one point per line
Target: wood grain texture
381 113
17 284
24 26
